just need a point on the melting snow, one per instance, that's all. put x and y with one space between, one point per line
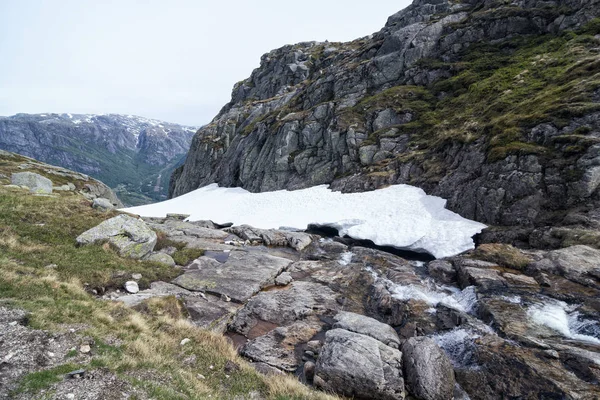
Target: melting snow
562 318
401 216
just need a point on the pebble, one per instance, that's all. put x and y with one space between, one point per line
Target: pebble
70 396
85 348
137 277
132 287
14 323
185 341
200 376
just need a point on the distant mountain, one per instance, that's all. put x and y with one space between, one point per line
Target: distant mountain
133 155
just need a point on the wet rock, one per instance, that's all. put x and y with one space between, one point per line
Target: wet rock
359 366
367 326
35 182
428 372
442 270
130 236
213 315
309 370
266 369
243 274
478 273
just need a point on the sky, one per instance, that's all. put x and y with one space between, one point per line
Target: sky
174 60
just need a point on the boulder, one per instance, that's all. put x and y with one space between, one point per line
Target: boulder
367 326
443 271
272 237
580 264
360 367
240 277
282 307
284 279
161 258
427 370
103 204
130 236
35 182
132 287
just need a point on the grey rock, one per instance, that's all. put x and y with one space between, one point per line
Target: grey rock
272 237
103 204
367 326
161 258
442 270
284 279
240 277
359 366
303 300
579 264
132 287
428 372
35 182
157 289
130 236
213 315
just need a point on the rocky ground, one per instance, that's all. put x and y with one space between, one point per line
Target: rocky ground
495 323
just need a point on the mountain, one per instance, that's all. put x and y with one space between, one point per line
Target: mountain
492 105
133 155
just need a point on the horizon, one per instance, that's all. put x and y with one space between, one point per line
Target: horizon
175 63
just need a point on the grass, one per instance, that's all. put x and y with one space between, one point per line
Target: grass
139 345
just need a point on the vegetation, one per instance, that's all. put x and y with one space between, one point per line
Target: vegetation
502 254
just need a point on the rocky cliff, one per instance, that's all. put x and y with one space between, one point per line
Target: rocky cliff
492 105
131 154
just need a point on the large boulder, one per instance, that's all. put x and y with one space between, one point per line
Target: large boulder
428 371
130 236
359 366
35 182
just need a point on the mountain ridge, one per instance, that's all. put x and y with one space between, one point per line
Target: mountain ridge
131 154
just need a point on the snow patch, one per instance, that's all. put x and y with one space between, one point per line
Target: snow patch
562 318
400 216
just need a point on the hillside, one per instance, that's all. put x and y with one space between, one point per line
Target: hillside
133 155
494 106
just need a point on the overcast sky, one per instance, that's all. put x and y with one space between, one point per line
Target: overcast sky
175 60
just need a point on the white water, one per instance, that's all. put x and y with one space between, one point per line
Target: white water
345 258
558 316
461 300
400 216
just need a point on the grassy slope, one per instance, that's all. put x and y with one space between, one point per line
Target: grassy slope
498 92
37 231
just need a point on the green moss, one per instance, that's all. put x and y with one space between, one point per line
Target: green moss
186 255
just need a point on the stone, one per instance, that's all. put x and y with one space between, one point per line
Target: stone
185 341
478 273
161 258
103 204
428 371
277 347
131 287
157 289
442 270
178 217
35 182
130 236
359 366
272 237
136 277
309 370
302 300
284 279
367 326
212 315
242 276
580 264
85 348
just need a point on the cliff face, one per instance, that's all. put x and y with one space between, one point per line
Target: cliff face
494 106
132 154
